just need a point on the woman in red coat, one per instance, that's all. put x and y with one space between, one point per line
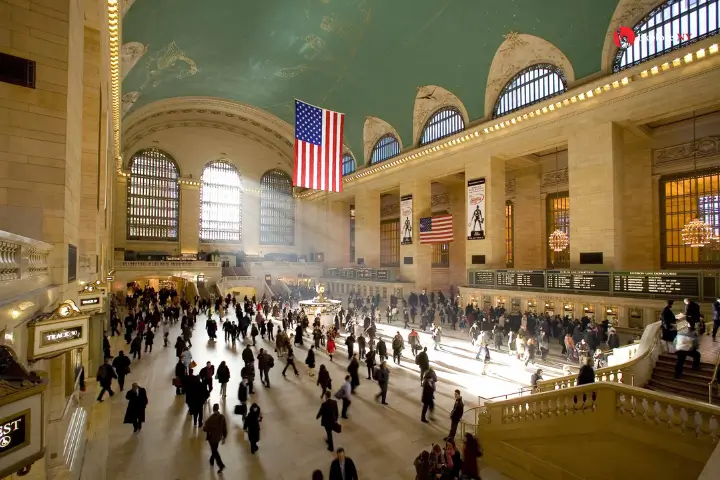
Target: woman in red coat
330 346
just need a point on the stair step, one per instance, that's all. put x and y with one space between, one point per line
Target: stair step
685 379
683 389
683 394
663 360
665 370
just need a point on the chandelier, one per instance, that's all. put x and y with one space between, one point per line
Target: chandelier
697 233
558 241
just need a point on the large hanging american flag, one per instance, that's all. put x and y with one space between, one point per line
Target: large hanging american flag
438 229
318 148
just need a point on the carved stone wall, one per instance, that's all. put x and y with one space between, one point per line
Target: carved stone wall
430 99
373 130
510 186
516 53
554 180
131 53
703 152
128 100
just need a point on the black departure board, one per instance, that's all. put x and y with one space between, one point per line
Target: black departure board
347 272
382 275
519 279
667 284
483 277
365 273
565 280
331 272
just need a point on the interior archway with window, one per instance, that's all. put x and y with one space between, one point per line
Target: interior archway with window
443 123
277 209
153 197
385 148
348 164
221 203
531 85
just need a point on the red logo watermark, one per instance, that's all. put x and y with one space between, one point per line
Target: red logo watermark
625 37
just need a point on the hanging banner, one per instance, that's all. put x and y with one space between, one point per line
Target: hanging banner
476 209
406 220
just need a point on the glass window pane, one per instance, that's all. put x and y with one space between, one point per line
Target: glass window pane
277 209
385 148
221 203
443 123
532 85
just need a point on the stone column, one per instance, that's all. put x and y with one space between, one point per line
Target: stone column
420 271
189 234
639 237
492 169
528 215
338 245
367 227
595 169
458 271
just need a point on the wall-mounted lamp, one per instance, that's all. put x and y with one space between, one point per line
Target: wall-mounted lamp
14 314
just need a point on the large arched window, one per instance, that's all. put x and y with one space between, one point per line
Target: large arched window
277 209
220 203
532 85
385 148
348 164
443 123
672 25
153 199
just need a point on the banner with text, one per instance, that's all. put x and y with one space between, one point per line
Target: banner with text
476 209
406 219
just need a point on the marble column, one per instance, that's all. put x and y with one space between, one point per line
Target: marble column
529 243
367 227
492 169
189 234
420 270
595 171
458 272
338 243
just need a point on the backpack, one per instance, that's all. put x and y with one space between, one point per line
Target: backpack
271 362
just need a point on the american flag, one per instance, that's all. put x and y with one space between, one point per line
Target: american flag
437 229
318 148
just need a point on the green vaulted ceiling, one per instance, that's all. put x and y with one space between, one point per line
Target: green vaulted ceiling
360 57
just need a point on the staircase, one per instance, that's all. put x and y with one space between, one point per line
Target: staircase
692 384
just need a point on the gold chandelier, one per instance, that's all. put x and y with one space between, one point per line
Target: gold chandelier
558 241
697 234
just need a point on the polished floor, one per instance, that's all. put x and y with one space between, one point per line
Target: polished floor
382 440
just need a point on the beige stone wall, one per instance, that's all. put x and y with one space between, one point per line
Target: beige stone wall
529 218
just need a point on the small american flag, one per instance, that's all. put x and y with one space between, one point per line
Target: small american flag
437 229
318 148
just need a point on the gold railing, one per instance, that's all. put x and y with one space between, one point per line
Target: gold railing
714 380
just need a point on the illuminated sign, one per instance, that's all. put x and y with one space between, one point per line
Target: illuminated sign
53 337
84 302
14 432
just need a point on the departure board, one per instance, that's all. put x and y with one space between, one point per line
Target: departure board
530 279
331 272
347 272
484 277
565 280
382 274
365 273
670 284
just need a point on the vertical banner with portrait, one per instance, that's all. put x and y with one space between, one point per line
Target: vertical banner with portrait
406 220
476 209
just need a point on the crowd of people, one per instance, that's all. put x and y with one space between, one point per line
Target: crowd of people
151 313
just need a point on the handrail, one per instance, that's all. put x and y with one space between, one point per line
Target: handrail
714 379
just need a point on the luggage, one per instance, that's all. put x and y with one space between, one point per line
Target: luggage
240 409
176 382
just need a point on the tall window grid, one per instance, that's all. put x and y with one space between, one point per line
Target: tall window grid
558 218
509 234
390 243
445 122
277 209
348 164
385 148
531 85
352 233
441 255
670 26
153 197
220 203
683 198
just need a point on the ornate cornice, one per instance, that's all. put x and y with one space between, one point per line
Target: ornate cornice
554 178
440 199
388 210
510 186
700 148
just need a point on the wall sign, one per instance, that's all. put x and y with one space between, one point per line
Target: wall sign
476 209
406 220
84 302
14 432
53 337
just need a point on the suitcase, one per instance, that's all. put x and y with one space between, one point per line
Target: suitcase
241 409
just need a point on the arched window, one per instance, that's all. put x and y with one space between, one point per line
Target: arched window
385 148
443 123
153 198
220 203
672 25
532 85
277 209
348 164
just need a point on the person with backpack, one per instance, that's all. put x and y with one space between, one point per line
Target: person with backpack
344 394
265 363
105 375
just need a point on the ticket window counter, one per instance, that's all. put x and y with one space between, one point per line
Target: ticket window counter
611 314
530 306
588 310
500 302
486 302
515 306
635 318
568 310
549 308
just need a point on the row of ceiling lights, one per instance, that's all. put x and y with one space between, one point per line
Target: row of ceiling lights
114 45
550 107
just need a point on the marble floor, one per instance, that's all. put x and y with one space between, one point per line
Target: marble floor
382 440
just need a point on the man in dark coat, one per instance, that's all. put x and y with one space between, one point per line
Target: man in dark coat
195 396
265 362
216 429
350 342
121 364
716 317
353 370
342 468
692 312
105 375
383 379
137 401
328 415
428 398
423 362
456 415
247 355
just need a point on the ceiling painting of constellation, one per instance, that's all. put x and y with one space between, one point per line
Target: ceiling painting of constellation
360 57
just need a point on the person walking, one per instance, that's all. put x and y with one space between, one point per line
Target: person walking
195 396
398 344
206 376
136 346
216 429
121 364
328 415
324 380
149 340
350 343
310 361
428 398
423 362
252 426
223 377
353 370
290 362
105 375
247 355
370 363
342 468
456 415
330 346
383 379
265 363
180 374
344 394
135 412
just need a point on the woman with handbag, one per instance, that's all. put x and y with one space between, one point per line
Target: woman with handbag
252 426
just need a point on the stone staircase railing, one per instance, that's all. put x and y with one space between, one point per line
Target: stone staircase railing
24 264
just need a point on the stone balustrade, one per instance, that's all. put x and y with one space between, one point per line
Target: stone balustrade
140 265
24 264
